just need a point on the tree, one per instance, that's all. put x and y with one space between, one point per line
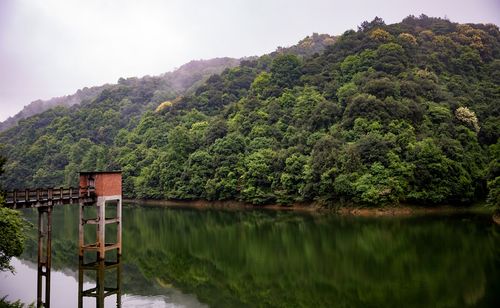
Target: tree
391 58
285 71
258 177
380 35
379 186
11 232
493 175
293 178
376 22
437 178
468 117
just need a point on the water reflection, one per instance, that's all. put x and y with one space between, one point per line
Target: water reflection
65 286
181 257
100 269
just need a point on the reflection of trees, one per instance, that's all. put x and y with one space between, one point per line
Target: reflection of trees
249 258
244 258
65 252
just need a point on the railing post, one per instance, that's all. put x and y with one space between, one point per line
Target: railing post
14 196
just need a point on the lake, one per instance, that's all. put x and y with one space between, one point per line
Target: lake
188 257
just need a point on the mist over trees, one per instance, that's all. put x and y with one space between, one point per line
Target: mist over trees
183 79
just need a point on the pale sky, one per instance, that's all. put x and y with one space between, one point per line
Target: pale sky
52 48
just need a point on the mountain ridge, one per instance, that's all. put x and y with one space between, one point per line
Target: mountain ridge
184 78
388 114
195 69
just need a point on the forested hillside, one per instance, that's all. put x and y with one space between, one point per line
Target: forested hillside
182 79
407 112
40 106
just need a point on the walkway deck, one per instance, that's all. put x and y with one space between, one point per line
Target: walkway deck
40 197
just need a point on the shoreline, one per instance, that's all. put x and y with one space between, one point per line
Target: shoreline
343 210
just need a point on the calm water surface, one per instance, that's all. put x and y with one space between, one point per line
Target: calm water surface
253 258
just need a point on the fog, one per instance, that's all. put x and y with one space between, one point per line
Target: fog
52 48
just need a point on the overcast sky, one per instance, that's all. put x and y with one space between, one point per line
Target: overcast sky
51 48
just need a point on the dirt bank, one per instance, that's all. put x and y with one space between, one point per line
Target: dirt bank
347 210
496 217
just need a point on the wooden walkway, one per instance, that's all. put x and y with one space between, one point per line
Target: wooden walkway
96 190
41 197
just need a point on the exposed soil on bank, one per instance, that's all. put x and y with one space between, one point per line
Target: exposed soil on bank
345 210
496 216
227 205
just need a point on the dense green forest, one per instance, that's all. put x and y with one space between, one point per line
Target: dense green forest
408 112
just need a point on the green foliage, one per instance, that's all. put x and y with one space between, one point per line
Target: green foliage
386 114
493 175
4 303
12 235
285 71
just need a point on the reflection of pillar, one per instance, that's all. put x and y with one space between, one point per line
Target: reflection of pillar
101 290
44 255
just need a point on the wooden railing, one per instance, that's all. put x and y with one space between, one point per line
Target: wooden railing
47 196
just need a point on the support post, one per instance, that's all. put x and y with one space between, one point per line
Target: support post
101 228
118 282
81 230
99 300
100 291
119 226
44 255
80 281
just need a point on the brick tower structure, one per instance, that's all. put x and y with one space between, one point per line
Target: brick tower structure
100 189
